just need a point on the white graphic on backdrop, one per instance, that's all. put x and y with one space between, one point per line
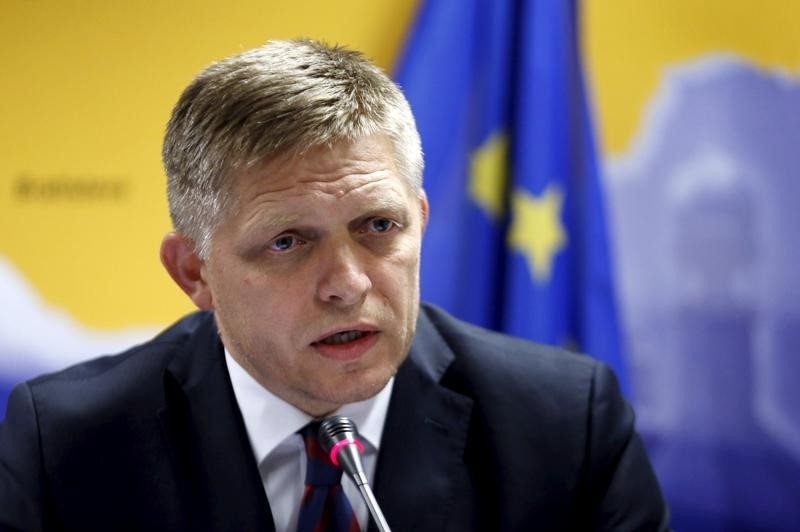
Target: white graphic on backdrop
35 337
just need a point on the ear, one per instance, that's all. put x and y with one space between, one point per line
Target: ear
423 206
186 269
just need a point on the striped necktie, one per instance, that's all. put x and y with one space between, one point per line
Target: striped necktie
324 506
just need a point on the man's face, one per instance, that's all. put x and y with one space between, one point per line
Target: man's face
314 274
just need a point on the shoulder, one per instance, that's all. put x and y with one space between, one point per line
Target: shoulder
553 421
122 380
511 379
499 359
71 431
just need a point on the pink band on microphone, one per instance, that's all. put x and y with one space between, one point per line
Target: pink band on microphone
338 445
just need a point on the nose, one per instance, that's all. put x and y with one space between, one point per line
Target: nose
343 280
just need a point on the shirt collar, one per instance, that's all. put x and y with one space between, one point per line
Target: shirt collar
269 420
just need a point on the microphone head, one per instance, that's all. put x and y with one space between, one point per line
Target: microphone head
334 429
338 437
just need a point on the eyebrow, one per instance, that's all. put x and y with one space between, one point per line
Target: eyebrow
370 207
252 228
386 203
279 220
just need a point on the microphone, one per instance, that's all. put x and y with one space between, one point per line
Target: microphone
338 436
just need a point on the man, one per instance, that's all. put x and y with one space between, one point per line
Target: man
294 181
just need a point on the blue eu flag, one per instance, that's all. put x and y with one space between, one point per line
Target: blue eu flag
517 241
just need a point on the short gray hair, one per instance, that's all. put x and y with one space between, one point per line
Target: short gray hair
281 98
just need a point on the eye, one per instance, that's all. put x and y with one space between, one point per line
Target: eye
285 243
380 225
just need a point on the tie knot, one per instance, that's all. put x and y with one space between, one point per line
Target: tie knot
320 471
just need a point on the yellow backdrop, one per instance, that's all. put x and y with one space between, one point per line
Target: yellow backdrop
628 43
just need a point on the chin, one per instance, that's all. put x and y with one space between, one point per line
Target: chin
359 387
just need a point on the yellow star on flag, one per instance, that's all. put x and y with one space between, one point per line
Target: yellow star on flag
488 175
536 229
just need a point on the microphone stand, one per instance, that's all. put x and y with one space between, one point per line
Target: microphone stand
374 509
372 504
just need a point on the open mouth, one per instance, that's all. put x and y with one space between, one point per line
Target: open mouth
344 337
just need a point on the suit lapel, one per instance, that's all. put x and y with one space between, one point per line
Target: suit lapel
420 474
206 436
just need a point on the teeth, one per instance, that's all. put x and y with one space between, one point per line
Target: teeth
342 337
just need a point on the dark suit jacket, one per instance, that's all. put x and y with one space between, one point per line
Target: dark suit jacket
484 432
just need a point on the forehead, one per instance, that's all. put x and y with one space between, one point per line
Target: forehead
328 170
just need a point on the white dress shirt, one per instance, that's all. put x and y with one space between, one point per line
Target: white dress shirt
272 424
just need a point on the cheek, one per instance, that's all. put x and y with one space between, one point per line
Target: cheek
399 274
282 300
248 296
